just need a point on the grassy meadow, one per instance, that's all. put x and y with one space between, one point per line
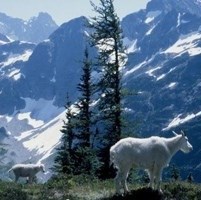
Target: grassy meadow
88 188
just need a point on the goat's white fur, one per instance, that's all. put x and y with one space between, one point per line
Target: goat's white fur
151 154
27 170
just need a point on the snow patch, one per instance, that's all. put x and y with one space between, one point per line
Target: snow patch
172 85
150 72
38 112
46 41
150 30
2 42
53 80
105 44
43 140
186 43
161 77
15 74
179 120
16 57
135 68
8 118
33 122
152 15
128 110
178 20
41 109
131 45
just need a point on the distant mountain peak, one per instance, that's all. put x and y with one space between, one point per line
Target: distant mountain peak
44 14
43 17
183 6
36 29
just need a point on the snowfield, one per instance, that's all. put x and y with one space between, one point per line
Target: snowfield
178 120
152 15
186 43
34 132
13 58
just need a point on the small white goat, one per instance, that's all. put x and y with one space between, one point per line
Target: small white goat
151 154
27 170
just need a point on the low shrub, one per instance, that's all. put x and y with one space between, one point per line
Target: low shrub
182 191
12 191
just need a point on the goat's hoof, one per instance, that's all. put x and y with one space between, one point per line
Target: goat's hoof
125 193
118 195
160 191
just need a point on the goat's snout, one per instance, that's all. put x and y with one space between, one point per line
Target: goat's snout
191 148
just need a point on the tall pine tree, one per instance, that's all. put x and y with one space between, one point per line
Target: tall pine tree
65 158
107 37
84 115
76 154
86 158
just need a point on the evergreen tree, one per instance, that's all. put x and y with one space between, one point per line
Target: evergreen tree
107 37
65 158
174 173
84 115
86 158
190 178
76 155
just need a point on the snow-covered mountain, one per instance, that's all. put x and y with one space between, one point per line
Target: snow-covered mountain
164 56
13 55
55 65
34 83
34 30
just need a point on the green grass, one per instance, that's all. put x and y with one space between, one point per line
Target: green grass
87 188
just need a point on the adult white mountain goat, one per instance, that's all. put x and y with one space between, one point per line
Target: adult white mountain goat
27 170
151 154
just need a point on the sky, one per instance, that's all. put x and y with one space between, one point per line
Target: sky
64 10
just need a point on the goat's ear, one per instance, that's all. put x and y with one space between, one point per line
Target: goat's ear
183 134
174 133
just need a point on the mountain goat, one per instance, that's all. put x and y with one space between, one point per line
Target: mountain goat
27 170
151 154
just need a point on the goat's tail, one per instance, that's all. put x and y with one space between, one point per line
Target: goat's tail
112 155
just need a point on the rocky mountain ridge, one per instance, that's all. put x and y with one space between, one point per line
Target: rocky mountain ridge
35 30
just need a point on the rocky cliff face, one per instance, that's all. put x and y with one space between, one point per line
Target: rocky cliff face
54 67
13 55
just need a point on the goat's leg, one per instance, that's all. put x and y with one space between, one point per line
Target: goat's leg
151 177
16 178
30 179
158 179
118 182
124 180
